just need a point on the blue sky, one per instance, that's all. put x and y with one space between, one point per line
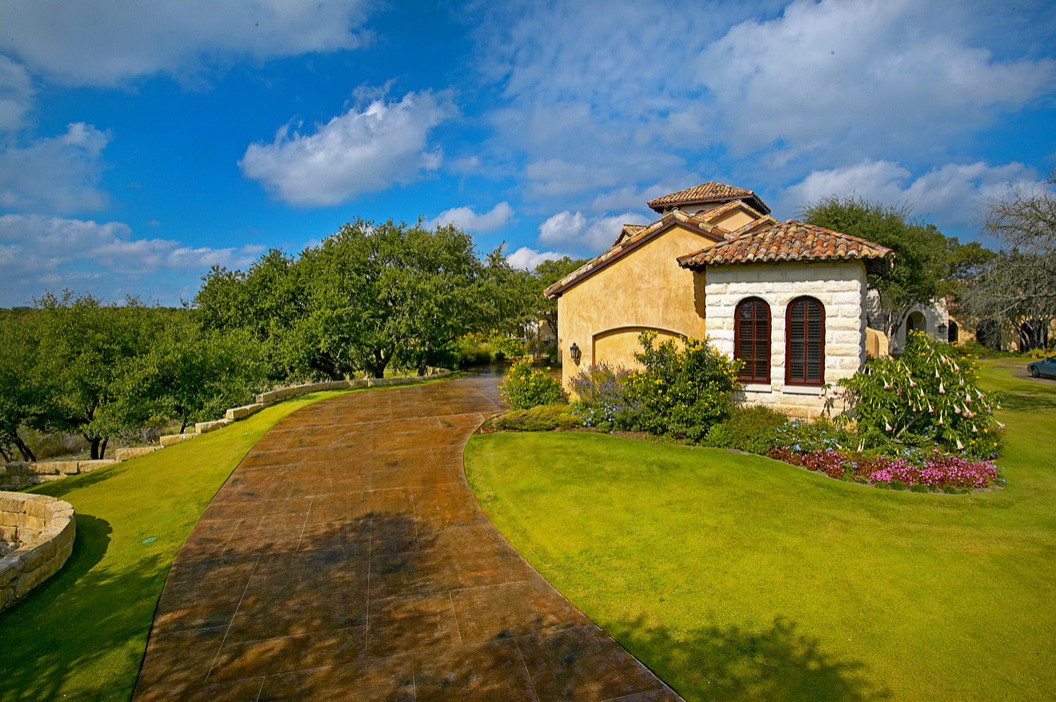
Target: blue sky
141 143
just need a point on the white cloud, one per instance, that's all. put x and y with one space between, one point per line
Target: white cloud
466 218
528 259
38 252
106 43
55 174
357 152
592 233
867 75
952 196
16 94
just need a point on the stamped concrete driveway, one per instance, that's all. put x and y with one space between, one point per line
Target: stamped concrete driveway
346 559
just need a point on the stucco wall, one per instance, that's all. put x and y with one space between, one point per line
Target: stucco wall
644 289
840 288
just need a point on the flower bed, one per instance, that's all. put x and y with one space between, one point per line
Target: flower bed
936 471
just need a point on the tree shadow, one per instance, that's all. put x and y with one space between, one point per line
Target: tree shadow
60 488
730 662
73 620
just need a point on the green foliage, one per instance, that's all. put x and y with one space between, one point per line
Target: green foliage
682 391
751 429
926 395
539 418
924 258
86 350
192 375
21 394
367 296
525 388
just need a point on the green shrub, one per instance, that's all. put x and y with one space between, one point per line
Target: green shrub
526 388
751 429
541 418
925 395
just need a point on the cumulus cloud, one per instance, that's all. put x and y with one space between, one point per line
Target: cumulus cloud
39 252
528 258
360 151
591 233
952 196
815 85
55 174
16 94
82 43
871 75
466 218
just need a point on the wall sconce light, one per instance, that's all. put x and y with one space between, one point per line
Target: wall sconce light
575 352
942 329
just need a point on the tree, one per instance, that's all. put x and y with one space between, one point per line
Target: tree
922 253
191 374
20 394
1017 289
85 350
546 274
377 292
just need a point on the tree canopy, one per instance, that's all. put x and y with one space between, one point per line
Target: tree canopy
365 296
1017 288
927 264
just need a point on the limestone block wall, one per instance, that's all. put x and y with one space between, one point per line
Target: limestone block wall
839 287
18 475
36 538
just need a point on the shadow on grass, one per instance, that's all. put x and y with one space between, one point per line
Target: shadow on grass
72 621
1027 401
734 663
61 488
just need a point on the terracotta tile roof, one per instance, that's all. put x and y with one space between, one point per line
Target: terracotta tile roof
717 213
708 193
764 222
624 245
790 241
628 230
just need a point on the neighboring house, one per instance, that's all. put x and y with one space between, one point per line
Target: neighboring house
934 320
787 298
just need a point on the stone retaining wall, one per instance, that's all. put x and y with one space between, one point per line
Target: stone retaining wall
15 476
36 538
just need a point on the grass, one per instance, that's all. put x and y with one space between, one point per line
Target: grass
737 577
82 634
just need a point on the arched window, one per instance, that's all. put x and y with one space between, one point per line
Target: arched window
805 342
751 340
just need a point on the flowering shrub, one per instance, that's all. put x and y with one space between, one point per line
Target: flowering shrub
525 388
926 396
801 436
602 400
932 470
682 391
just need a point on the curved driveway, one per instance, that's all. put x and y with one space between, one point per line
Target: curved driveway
346 559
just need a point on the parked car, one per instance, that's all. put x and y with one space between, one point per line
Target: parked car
1043 369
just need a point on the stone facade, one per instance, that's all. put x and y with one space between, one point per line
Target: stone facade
841 289
36 538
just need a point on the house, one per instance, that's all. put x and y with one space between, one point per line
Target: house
787 298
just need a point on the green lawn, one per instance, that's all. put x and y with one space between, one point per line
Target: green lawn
81 635
734 576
